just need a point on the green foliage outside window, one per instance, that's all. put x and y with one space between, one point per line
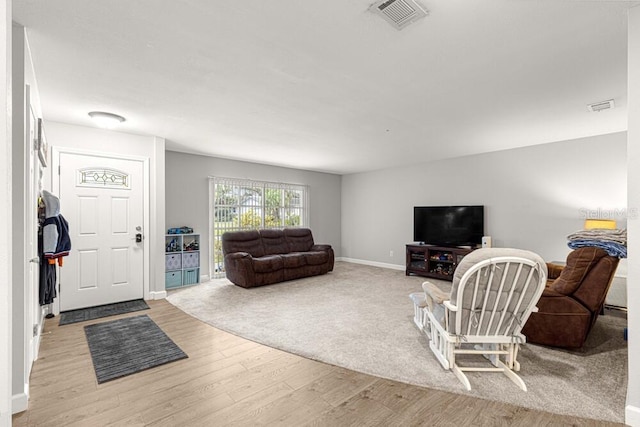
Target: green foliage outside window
254 205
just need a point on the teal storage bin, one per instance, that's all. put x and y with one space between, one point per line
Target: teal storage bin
191 276
172 279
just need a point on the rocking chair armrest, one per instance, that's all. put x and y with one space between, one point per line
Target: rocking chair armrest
450 306
437 295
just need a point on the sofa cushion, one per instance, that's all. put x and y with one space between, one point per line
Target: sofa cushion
267 263
579 262
316 257
293 260
274 242
243 241
298 239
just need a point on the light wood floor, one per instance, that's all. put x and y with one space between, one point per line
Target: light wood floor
229 380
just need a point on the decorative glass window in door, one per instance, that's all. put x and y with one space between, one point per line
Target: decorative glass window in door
97 177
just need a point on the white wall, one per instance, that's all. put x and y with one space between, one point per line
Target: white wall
633 276
187 195
19 352
5 214
533 197
26 310
66 136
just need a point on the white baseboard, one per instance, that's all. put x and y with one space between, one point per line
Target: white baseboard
204 278
372 263
158 295
20 401
632 416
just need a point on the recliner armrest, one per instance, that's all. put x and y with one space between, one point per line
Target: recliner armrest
238 255
550 293
239 268
554 270
320 247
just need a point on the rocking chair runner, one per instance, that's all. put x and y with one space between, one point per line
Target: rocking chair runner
494 291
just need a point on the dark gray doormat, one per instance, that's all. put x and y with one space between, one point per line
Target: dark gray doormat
80 315
126 346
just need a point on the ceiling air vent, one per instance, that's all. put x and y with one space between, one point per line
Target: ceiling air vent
399 13
602 105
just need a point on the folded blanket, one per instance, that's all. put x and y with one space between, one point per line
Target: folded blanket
616 236
612 248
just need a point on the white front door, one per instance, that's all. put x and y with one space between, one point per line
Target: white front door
102 199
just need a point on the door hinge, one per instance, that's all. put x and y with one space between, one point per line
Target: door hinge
35 330
58 169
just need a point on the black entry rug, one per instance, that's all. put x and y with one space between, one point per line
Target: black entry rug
91 313
126 346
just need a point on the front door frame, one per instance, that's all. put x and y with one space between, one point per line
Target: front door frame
55 184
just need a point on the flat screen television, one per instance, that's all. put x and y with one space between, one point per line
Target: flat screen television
448 225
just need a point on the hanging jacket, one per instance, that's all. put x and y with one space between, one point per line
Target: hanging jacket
56 242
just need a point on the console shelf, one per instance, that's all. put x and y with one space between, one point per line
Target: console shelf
439 262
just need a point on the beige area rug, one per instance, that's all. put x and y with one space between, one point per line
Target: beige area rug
360 317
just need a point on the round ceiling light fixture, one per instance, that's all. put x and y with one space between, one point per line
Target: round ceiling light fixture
106 120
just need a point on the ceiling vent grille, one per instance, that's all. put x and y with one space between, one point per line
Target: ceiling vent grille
399 13
602 105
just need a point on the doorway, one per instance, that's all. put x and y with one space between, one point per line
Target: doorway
102 197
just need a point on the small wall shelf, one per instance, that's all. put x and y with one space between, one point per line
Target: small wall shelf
182 260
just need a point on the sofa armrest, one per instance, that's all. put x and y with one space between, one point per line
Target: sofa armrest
329 250
239 269
237 255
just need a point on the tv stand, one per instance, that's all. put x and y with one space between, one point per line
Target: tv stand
438 262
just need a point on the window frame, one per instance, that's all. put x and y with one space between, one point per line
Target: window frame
250 205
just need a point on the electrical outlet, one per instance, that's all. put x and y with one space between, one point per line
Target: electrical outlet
391 253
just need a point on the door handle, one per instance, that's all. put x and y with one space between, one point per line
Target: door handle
35 260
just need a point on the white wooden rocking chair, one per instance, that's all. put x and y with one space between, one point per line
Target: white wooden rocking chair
494 291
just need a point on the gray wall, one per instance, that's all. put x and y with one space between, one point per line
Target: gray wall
533 197
187 194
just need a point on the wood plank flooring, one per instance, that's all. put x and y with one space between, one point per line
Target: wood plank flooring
228 380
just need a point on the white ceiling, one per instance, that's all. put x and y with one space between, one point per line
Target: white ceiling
330 86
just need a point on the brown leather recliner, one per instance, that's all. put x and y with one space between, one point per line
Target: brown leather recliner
572 299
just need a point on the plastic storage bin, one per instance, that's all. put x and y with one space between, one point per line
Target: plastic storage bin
190 276
173 279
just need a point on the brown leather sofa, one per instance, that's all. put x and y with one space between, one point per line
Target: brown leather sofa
572 299
262 257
